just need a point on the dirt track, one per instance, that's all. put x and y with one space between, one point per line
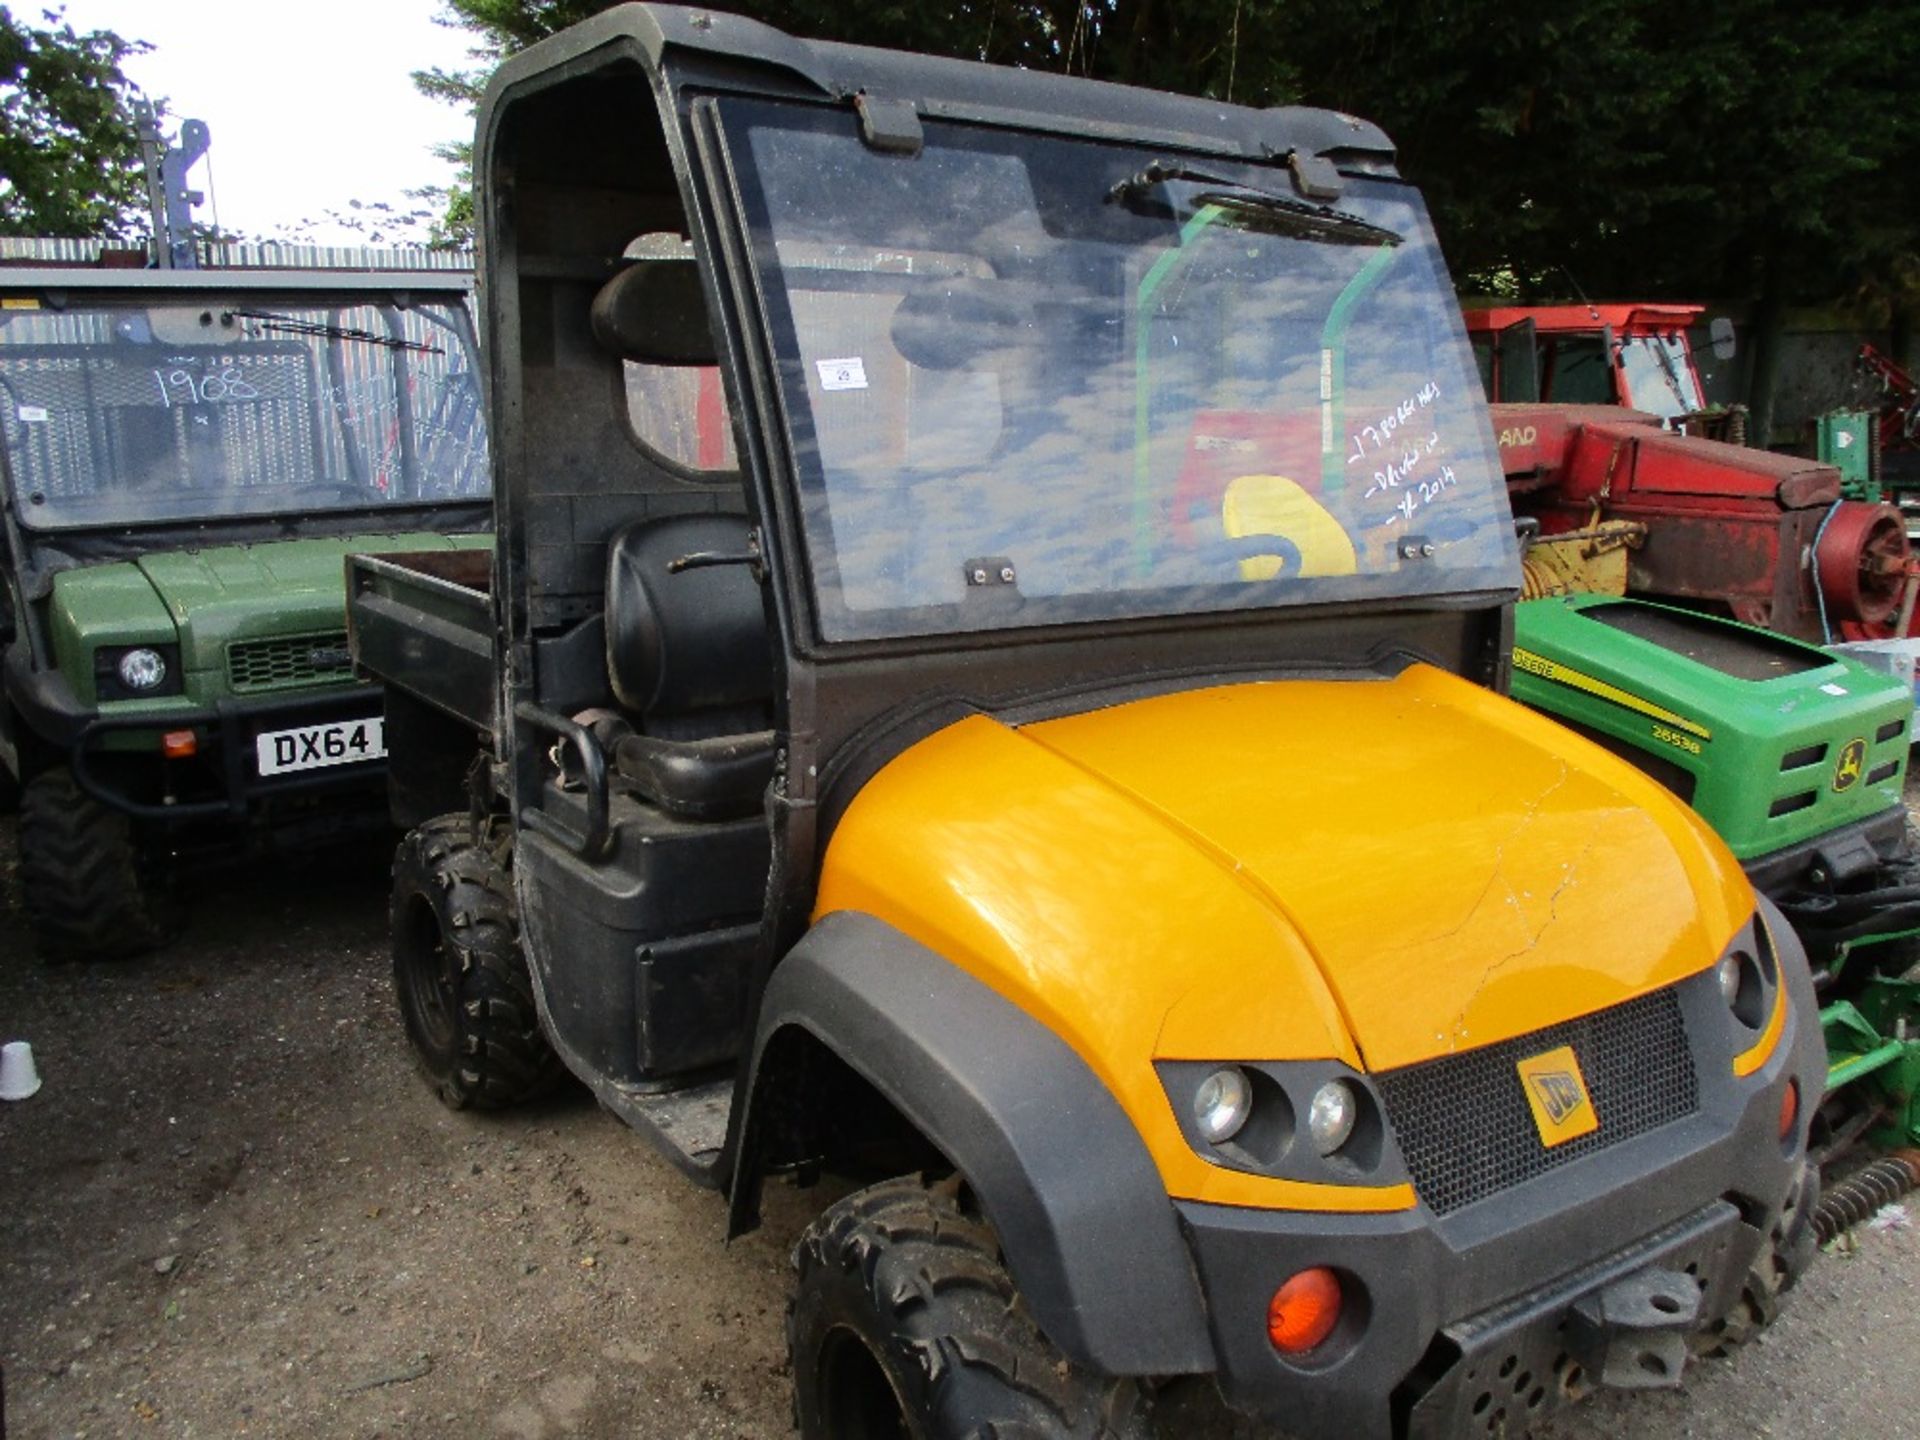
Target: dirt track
233 1210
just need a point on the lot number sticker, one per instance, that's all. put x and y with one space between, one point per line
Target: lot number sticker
846 374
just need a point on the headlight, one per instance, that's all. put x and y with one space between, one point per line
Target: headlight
1222 1103
1744 988
142 669
1316 1121
1331 1115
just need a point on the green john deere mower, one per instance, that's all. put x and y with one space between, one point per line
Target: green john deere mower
1797 756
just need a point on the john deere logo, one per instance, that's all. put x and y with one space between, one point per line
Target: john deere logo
1852 758
1557 1096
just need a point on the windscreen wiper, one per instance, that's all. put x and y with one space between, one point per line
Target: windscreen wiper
292 325
1318 221
1670 372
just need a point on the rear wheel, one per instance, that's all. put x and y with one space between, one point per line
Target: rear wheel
91 888
459 973
906 1326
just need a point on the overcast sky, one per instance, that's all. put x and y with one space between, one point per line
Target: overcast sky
308 101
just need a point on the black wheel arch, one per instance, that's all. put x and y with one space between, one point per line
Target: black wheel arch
1089 1234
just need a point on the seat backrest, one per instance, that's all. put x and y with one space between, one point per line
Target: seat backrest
696 641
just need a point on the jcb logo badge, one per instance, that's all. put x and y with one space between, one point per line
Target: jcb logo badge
1557 1095
1560 1093
1852 758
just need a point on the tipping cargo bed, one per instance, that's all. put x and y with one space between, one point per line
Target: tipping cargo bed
422 623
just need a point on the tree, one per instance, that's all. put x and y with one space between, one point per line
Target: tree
69 147
1641 154
1745 150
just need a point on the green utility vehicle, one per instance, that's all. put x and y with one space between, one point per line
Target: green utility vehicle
1797 757
188 456
989 685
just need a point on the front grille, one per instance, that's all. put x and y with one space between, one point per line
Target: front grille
1464 1125
289 660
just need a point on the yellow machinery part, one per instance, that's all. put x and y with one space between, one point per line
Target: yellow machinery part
1592 561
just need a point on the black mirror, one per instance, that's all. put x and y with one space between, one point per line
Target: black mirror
953 323
1721 338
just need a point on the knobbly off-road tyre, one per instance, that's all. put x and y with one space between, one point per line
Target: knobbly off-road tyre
459 973
90 888
905 1323
1784 1256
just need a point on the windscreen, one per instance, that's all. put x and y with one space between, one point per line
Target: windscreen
173 409
1659 376
1032 380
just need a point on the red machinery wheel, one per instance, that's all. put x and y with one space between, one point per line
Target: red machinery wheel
1861 566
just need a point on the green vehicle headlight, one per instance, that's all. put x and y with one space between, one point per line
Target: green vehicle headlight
142 669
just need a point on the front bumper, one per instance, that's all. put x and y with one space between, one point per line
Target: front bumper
225 783
1440 1304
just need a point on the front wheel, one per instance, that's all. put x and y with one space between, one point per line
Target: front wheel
92 889
1784 1257
904 1323
459 974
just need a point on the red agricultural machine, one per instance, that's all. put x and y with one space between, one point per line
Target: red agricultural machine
1604 435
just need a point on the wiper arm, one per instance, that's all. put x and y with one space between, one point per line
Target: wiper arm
1316 220
1157 173
1672 373
290 325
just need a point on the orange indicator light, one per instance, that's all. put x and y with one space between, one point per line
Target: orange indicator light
1304 1311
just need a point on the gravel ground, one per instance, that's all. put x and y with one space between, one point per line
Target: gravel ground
233 1210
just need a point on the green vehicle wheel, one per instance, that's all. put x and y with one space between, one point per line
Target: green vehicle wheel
92 888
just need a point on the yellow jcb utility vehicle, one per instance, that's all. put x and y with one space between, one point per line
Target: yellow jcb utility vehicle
990 682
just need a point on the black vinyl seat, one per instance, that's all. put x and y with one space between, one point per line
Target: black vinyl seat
690 662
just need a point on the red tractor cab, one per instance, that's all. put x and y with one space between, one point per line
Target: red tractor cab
1632 355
